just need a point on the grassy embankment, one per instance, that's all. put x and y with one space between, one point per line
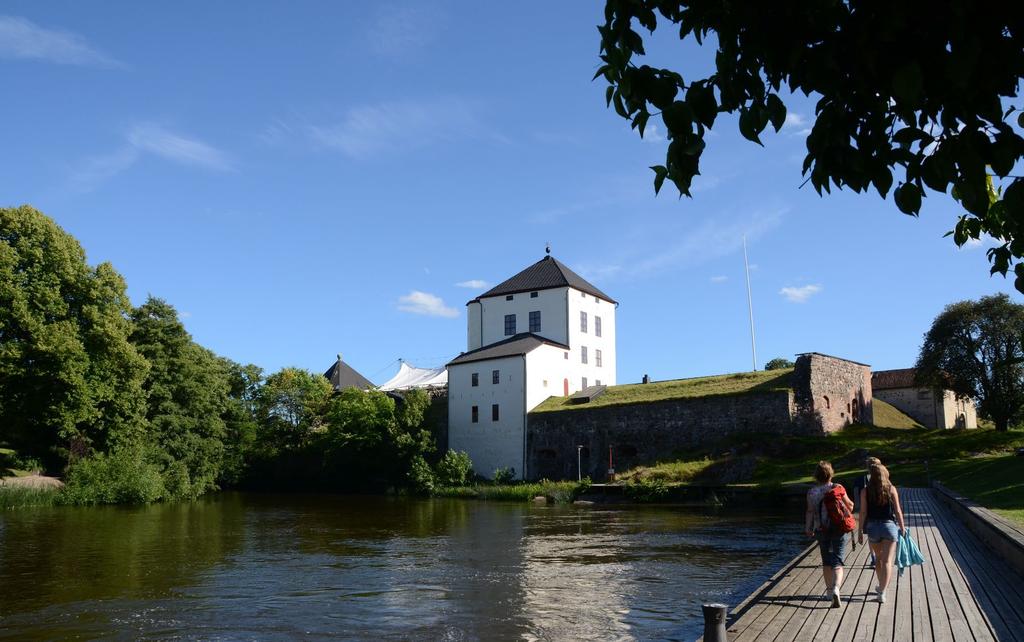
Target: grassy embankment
980 463
18 495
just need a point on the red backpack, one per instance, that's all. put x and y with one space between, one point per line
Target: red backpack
836 518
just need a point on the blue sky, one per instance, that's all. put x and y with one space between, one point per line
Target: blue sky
302 179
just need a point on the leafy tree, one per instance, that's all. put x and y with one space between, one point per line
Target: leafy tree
291 406
779 363
976 349
69 378
912 88
240 418
188 397
454 468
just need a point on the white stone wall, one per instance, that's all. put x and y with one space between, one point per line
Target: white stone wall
546 370
473 326
491 321
930 409
490 444
594 307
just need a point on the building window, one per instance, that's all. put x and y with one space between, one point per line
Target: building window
475 414
494 412
597 382
533 295
535 321
584 383
924 394
583 294
509 297
583 354
475 379
597 326
597 358
510 325
566 355
495 376
583 321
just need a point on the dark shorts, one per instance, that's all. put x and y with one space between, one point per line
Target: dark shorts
833 549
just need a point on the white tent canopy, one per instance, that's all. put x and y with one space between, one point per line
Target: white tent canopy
413 377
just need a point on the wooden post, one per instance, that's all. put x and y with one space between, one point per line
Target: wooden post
714 622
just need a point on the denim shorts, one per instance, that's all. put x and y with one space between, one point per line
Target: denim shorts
833 549
879 530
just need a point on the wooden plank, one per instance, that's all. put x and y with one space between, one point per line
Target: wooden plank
781 605
995 588
857 580
920 617
902 626
743 615
1000 605
924 535
966 621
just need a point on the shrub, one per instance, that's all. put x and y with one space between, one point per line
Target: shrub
19 496
123 476
454 469
647 490
504 475
421 477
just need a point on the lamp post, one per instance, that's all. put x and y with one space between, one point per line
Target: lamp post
579 465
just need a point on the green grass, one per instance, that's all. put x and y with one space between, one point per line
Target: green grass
717 386
887 416
673 471
562 492
22 496
996 482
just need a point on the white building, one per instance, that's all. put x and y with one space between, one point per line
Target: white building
930 408
546 331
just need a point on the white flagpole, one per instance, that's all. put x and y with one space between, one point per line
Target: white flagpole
750 305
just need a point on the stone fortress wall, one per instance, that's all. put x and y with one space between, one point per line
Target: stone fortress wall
828 394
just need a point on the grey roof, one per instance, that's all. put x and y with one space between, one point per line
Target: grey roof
341 375
545 274
515 345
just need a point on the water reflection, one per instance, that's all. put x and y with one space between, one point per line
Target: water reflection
277 567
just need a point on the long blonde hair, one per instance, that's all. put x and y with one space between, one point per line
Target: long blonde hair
879 486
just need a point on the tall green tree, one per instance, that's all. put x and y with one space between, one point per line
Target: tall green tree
911 92
976 349
70 380
240 418
188 390
292 405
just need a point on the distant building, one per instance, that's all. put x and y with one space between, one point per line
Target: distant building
546 331
930 408
341 375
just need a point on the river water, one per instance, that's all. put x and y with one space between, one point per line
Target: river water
263 567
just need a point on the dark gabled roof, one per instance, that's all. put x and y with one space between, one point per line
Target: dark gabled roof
886 379
832 356
341 375
515 345
545 274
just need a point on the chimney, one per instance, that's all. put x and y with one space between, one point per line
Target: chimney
647 379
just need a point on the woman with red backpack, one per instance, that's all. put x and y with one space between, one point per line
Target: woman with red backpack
880 513
829 518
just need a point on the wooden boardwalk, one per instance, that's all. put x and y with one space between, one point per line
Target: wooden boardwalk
963 592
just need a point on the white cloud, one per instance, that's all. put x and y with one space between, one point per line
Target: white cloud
400 126
652 134
796 124
719 279
148 139
427 304
25 40
800 294
187 151
398 31
473 284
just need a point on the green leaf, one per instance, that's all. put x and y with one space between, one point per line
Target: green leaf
907 83
776 111
660 172
748 125
908 198
883 180
701 100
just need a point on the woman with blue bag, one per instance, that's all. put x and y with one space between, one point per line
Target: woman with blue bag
882 519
